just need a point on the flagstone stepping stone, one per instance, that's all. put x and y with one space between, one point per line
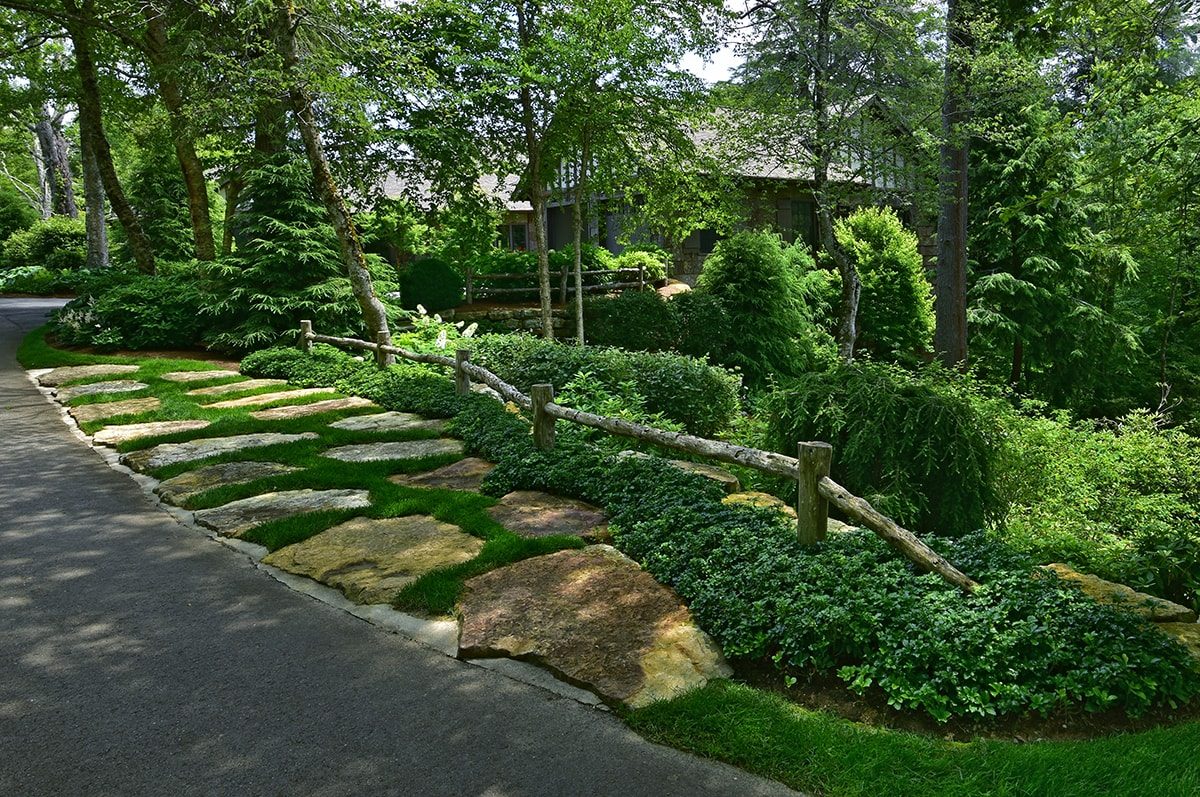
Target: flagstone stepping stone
529 513
407 449
237 387
173 453
719 475
111 409
268 398
316 408
1186 634
96 388
115 435
594 617
371 560
180 488
198 376
389 422
237 517
466 474
58 376
758 499
1152 608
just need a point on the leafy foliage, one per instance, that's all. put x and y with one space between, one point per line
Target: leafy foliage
286 267
432 284
702 397
15 213
763 296
125 309
55 243
922 447
895 312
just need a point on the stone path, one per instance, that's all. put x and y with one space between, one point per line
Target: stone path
389 422
237 517
166 454
115 435
371 560
189 484
535 514
467 475
199 376
267 398
96 388
111 409
59 376
237 387
316 408
396 450
595 617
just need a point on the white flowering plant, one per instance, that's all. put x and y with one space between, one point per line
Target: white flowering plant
434 335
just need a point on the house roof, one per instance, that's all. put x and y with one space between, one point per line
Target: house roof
495 187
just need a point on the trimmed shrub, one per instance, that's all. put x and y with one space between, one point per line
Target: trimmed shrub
432 284
502 261
922 447
36 280
749 273
592 258
56 243
119 309
702 397
895 311
705 328
15 212
655 268
636 320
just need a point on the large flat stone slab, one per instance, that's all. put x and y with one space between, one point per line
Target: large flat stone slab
1152 608
237 517
389 422
111 409
59 376
395 450
237 387
466 474
316 408
115 435
717 474
173 453
267 398
180 488
1186 634
199 376
594 617
371 560
96 388
535 514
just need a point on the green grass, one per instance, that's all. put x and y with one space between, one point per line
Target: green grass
825 755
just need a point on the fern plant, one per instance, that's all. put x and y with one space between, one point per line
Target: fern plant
286 267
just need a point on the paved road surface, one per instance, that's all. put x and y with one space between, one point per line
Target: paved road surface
139 657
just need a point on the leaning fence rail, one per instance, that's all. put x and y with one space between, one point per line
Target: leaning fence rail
477 286
810 468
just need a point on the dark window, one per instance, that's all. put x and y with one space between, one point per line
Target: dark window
514 237
803 228
707 240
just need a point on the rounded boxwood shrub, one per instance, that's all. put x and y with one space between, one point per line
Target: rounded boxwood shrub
433 284
55 243
702 397
635 320
922 447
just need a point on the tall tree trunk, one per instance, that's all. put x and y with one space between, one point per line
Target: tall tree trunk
580 197
91 118
270 139
93 195
353 258
233 192
171 95
45 201
847 330
950 285
537 188
57 163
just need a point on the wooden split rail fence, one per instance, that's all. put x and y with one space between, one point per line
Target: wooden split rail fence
810 467
623 278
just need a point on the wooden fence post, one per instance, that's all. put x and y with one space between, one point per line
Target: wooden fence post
812 509
382 358
641 277
305 341
462 381
543 424
562 290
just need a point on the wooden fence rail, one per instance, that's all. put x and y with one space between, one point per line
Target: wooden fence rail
633 278
810 468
